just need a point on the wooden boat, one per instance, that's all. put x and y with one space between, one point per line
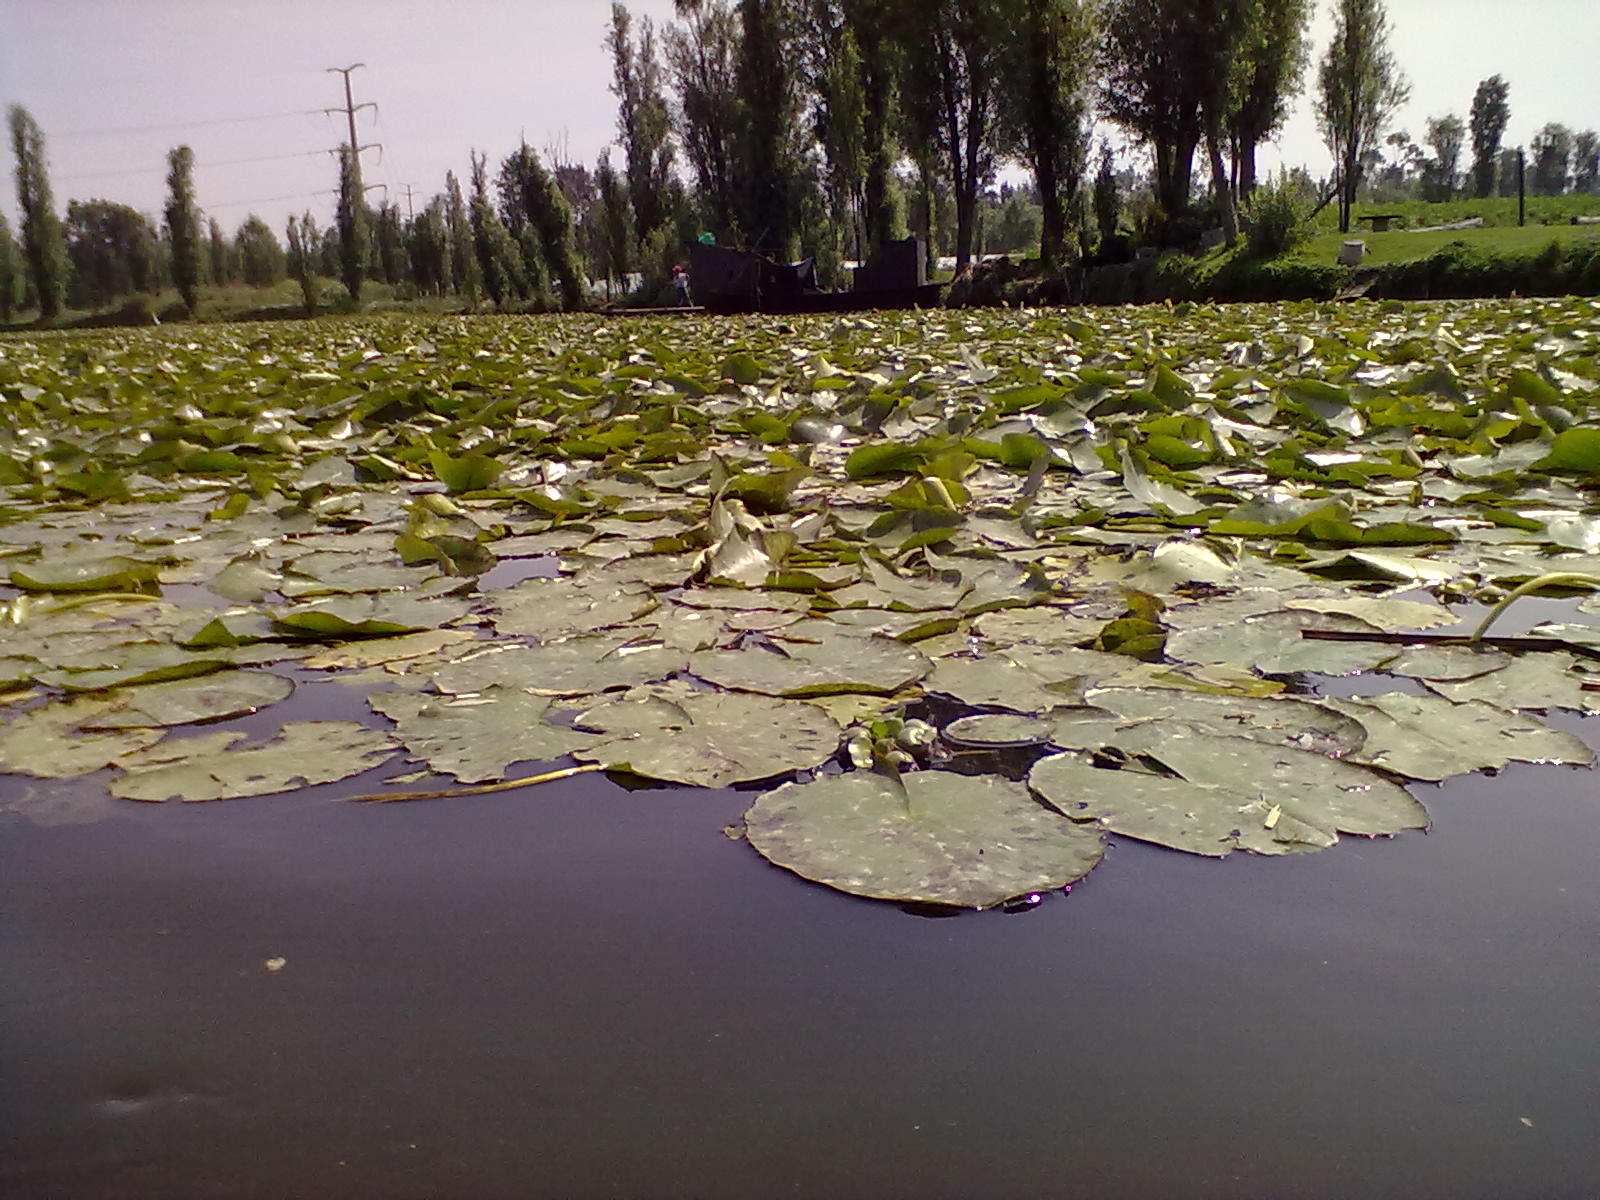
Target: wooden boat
727 281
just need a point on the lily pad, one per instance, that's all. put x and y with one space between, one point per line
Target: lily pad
574 667
972 841
477 738
1281 720
827 663
1427 737
112 573
51 742
1231 794
303 753
184 701
707 738
1529 681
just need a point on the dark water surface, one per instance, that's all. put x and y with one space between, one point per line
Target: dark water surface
585 991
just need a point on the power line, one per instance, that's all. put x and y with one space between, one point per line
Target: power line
308 112
226 162
270 199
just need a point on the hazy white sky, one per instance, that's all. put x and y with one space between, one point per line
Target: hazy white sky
116 83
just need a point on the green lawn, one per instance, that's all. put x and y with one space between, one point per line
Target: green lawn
1400 246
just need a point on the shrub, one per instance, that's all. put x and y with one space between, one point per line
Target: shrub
1275 219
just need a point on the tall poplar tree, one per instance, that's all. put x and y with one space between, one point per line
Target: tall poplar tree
1275 59
43 245
1490 114
1359 89
183 226
643 124
702 55
10 273
1049 65
303 241
352 223
528 186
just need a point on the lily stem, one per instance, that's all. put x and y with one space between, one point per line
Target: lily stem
1568 579
505 785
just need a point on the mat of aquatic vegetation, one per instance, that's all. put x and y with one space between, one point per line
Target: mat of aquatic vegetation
953 594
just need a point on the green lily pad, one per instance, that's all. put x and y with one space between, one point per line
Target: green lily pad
997 731
577 666
304 753
829 663
477 738
1528 681
112 573
972 841
1278 720
382 615
549 609
1231 794
1427 737
185 701
51 741
709 739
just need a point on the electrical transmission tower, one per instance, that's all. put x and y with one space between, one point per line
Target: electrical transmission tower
349 110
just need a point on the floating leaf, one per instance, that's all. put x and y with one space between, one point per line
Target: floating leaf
303 753
184 701
112 573
576 666
972 841
477 738
831 663
709 739
50 741
1426 737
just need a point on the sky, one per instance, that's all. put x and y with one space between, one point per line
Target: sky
115 84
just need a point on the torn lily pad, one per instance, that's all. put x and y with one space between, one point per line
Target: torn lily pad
576 666
971 841
826 662
51 741
476 738
708 739
1428 737
214 768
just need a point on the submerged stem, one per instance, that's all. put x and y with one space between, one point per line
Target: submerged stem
1554 579
505 785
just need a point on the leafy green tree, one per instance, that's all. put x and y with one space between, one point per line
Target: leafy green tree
1107 196
42 242
1146 88
351 220
394 257
1359 89
430 249
217 253
260 254
112 251
499 259
531 191
616 236
1507 173
183 226
1045 103
10 273
1490 113
1445 137
1552 159
840 118
465 276
303 241
643 123
702 58
1585 163
769 95
1275 61
950 90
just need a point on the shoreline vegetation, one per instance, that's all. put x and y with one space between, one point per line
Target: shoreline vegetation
1485 262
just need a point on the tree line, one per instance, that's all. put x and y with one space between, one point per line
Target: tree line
825 128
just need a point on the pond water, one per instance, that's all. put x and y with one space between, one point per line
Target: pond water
583 990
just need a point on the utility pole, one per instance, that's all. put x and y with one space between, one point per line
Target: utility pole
410 215
350 106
